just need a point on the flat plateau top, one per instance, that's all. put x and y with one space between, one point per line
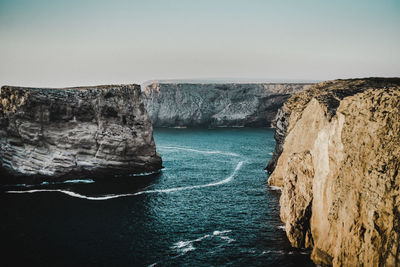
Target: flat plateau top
92 87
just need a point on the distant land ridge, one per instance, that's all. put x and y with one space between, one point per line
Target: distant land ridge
216 104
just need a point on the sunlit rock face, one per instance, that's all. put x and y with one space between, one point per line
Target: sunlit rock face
216 105
73 132
338 166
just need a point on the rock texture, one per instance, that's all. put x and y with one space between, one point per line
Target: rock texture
338 167
235 104
74 132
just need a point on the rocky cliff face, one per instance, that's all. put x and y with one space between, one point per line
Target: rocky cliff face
193 105
338 167
74 132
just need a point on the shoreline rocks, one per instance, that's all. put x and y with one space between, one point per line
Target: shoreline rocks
75 132
337 161
216 105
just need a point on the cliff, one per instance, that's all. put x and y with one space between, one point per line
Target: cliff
338 166
73 132
235 104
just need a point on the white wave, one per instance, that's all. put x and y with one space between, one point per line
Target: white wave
228 239
201 238
188 245
106 197
273 252
181 244
222 235
86 181
78 181
277 188
200 151
188 248
144 173
184 246
270 153
221 232
227 180
282 227
70 193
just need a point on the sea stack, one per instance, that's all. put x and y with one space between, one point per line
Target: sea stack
216 104
75 132
337 161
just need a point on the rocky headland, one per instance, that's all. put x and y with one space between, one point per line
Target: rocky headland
75 132
337 161
216 105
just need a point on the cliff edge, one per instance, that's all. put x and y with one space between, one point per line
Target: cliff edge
75 132
337 160
216 105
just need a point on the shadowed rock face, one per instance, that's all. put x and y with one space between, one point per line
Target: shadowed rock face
73 132
338 165
216 105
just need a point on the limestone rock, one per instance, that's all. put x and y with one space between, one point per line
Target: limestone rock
340 159
73 132
216 105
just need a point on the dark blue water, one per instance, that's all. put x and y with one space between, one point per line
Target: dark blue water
210 206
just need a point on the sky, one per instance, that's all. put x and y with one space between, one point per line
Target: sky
56 43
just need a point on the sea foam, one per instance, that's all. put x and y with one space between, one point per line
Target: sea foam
106 197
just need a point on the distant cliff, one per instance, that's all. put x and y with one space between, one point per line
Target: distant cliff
337 161
235 104
75 132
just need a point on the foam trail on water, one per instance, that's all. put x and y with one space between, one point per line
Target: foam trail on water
106 197
227 180
221 232
200 151
78 181
70 193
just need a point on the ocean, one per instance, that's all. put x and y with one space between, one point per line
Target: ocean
209 206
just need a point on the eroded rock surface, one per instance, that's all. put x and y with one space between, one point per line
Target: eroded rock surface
73 132
235 104
339 171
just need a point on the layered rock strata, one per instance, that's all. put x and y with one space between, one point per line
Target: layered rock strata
216 105
74 132
338 166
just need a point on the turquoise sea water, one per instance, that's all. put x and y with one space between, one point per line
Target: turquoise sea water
210 206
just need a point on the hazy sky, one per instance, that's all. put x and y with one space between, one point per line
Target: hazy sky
84 42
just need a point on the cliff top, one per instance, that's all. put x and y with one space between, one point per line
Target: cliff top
330 93
258 89
13 96
227 83
91 87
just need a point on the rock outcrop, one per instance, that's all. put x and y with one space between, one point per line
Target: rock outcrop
216 105
338 164
74 132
